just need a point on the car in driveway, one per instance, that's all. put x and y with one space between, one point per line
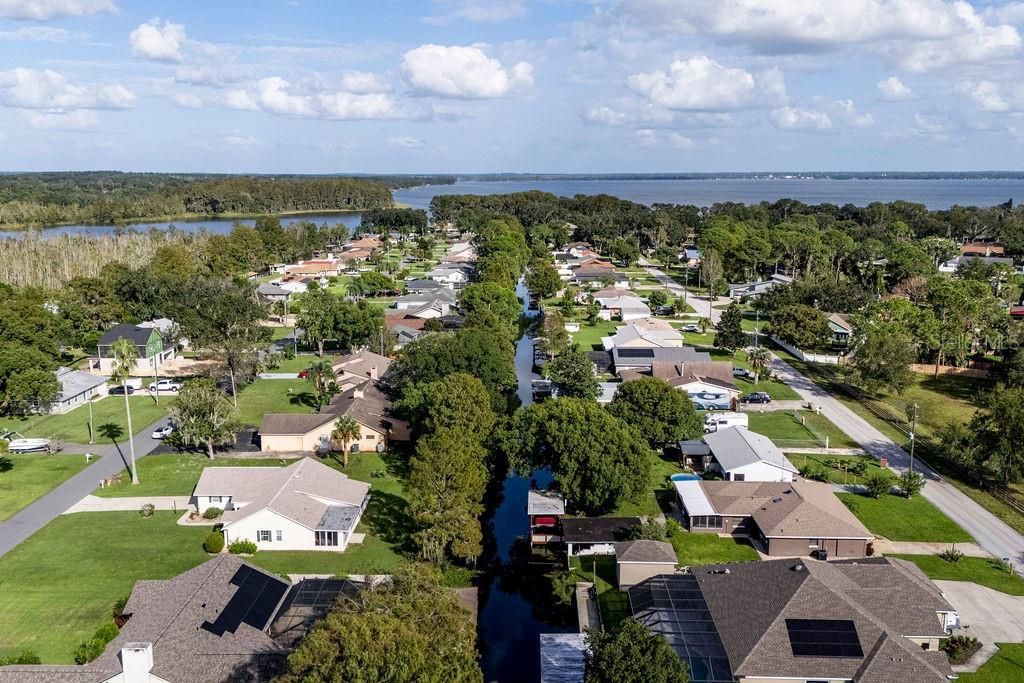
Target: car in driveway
121 389
171 385
690 328
28 445
756 397
162 432
742 373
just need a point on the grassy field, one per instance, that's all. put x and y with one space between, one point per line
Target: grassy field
941 400
659 492
108 420
1005 665
68 575
23 478
300 362
589 336
981 570
786 429
694 549
176 475
838 475
274 396
600 570
902 519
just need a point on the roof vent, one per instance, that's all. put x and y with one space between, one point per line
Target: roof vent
798 567
719 571
776 500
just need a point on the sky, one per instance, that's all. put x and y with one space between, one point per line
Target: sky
475 86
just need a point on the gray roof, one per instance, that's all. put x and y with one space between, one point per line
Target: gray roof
421 285
270 289
561 657
544 503
339 518
738 447
597 529
646 551
137 334
647 357
426 296
75 382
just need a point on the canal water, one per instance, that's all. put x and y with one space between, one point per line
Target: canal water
515 601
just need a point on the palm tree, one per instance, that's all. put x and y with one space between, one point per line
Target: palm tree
346 430
759 359
703 324
125 354
321 375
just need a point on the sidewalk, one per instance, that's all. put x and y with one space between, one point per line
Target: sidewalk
96 504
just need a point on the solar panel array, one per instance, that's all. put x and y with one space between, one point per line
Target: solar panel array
673 606
635 353
824 638
253 603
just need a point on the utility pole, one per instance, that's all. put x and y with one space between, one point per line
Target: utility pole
913 432
757 328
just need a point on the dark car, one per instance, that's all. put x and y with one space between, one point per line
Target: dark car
756 397
120 390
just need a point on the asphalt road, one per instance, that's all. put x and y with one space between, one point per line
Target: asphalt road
113 458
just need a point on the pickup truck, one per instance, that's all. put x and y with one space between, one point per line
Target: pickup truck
165 385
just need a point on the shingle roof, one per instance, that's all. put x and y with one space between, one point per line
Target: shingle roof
364 364
738 446
75 382
644 550
293 423
136 334
368 406
545 502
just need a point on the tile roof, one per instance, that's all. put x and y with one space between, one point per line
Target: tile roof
738 446
644 550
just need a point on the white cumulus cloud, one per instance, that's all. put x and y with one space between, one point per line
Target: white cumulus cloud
188 100
46 89
892 89
991 96
792 118
276 95
363 83
847 113
42 10
698 83
606 116
160 42
462 72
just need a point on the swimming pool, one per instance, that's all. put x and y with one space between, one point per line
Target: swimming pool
685 476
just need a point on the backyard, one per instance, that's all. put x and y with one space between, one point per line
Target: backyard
984 571
600 570
274 396
23 478
658 493
695 549
902 519
108 420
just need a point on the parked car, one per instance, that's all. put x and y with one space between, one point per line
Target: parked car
162 432
165 385
690 328
121 389
28 445
756 397
303 374
742 373
665 310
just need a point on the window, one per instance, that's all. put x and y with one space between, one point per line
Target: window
370 437
326 538
706 522
279 535
263 536
216 499
739 477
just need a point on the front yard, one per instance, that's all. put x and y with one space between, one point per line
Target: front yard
176 475
798 429
902 519
839 468
984 571
1006 665
23 478
108 420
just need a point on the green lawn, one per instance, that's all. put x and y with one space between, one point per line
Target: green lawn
278 333
68 575
23 478
589 336
838 466
108 419
176 475
941 400
900 519
786 429
600 570
981 570
274 396
777 390
1006 665
655 498
694 549
299 362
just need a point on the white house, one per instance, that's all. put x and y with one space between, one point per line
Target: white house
739 454
304 506
452 275
759 287
644 333
624 308
76 388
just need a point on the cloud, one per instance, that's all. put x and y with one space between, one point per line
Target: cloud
477 11
204 74
79 119
462 72
276 95
847 113
792 118
990 96
46 89
42 10
41 34
892 89
937 125
773 84
188 101
238 139
698 83
652 138
406 142
363 83
606 116
981 44
158 42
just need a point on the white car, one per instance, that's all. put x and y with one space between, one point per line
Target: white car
162 432
165 385
28 445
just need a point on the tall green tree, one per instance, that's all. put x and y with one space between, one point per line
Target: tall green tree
631 654
760 360
998 434
542 279
318 318
660 412
800 325
346 430
203 416
730 335
321 376
882 356
573 372
489 298
458 401
125 353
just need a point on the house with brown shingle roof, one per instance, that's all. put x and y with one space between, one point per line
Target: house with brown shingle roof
790 519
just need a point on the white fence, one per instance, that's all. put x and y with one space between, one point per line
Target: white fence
810 357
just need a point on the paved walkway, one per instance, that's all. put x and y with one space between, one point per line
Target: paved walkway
278 375
771 407
991 534
588 614
988 615
886 547
113 458
96 504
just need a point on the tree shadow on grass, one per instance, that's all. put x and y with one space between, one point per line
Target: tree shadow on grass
305 399
111 431
6 464
387 516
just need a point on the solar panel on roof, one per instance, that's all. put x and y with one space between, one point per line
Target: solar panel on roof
823 638
253 602
635 353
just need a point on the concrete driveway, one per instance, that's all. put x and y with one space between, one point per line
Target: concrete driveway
986 614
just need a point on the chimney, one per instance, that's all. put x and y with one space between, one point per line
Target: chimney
373 372
357 392
136 662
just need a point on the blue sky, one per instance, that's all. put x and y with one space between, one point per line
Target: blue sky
596 86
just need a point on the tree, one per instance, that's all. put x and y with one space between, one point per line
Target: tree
598 460
882 357
878 483
318 316
567 305
324 380
554 338
458 401
711 268
446 485
202 415
483 298
800 325
760 360
346 430
125 354
999 434
410 629
661 413
631 654
372 284
573 372
657 298
910 483
730 334
542 279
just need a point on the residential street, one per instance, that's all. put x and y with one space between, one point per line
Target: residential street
112 459
700 304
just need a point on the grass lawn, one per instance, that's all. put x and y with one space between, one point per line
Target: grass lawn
786 430
613 603
1005 665
655 499
902 519
279 333
23 478
777 390
68 575
176 475
272 396
981 570
300 362
694 549
589 336
838 475
941 400
108 420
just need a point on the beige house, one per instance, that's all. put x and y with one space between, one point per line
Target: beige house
646 333
357 368
637 561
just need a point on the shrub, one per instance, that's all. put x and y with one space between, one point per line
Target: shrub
4 446
107 632
212 513
870 549
878 483
813 472
93 648
959 648
911 483
563 585
147 509
23 657
243 547
214 542
951 555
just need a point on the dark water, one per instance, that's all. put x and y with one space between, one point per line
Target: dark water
515 607
935 194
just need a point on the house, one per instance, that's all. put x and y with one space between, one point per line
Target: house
708 383
954 264
316 268
758 287
982 249
207 625
427 304
369 243
460 252
545 510
841 328
596 272
581 250
873 619
420 286
304 506
76 388
152 349
407 328
644 333
359 367
788 518
624 308
452 275
690 257
643 359
595 535
639 560
739 454
270 291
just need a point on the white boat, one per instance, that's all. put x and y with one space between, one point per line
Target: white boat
28 445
